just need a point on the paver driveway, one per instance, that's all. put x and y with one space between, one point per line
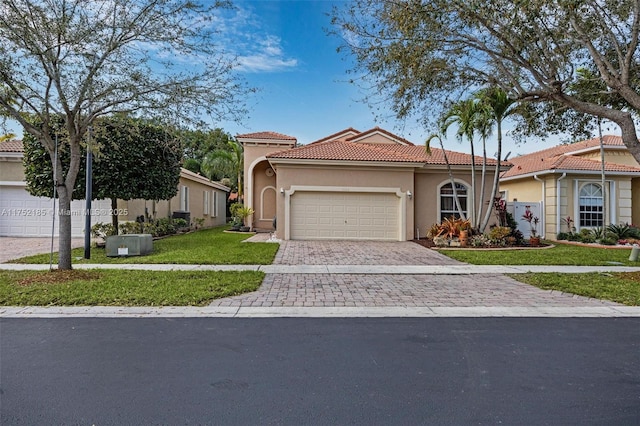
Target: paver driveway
17 247
389 290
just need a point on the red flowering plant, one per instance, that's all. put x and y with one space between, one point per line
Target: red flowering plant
533 221
569 222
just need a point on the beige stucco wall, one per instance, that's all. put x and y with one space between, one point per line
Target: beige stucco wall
377 138
427 195
264 196
11 169
623 200
344 177
165 208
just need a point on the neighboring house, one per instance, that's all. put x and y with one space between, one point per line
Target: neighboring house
566 181
24 215
352 185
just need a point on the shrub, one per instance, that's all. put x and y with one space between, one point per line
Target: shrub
498 235
103 230
562 236
621 231
479 241
129 227
609 241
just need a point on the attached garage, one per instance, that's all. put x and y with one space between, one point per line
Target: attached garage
335 215
23 215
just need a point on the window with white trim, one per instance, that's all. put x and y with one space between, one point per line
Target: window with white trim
205 202
184 198
448 206
591 201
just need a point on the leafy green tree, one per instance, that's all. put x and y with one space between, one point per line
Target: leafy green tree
422 54
134 159
83 59
198 144
227 162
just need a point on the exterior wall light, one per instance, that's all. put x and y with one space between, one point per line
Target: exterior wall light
409 194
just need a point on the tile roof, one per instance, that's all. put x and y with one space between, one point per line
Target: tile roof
338 135
350 151
11 146
267 135
562 157
378 130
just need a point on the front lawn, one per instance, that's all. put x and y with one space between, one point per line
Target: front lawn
122 288
561 254
621 287
204 247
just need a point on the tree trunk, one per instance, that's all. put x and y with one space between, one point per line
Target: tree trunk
64 230
114 214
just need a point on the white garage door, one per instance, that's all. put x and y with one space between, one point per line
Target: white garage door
23 215
344 216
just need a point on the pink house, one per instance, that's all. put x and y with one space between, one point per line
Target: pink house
352 185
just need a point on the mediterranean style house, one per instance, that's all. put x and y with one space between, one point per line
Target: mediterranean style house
566 181
352 185
23 215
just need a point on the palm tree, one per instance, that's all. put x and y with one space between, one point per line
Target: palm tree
227 163
465 114
497 103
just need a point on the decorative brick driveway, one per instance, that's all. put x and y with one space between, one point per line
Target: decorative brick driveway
389 290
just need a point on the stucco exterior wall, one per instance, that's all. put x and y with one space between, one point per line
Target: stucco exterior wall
526 189
11 170
427 196
377 138
264 196
165 208
345 177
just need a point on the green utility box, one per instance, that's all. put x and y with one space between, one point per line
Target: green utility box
129 245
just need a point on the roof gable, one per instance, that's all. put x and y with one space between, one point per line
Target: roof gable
378 136
568 157
343 134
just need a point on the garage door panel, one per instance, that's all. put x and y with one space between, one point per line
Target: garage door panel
24 215
337 215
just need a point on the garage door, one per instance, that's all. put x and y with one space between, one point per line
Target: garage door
23 215
344 216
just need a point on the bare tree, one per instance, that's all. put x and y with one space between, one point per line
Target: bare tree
422 54
82 59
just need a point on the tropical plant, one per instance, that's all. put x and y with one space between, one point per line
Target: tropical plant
621 231
227 162
449 228
532 220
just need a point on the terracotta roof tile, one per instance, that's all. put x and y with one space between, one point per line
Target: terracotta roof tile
338 135
378 130
351 151
267 135
561 158
11 146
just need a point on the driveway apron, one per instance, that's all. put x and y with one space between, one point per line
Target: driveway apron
390 290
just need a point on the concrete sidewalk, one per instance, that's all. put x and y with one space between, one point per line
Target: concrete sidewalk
459 269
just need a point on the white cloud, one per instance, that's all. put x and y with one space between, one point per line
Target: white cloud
255 48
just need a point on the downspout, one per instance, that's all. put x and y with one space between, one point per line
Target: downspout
544 203
564 175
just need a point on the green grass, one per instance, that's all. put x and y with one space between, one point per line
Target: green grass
122 288
616 287
561 254
204 247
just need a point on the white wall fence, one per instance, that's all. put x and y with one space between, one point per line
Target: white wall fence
518 208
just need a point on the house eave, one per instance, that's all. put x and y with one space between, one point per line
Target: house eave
310 162
568 171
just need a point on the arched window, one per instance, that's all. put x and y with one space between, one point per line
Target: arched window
448 206
591 202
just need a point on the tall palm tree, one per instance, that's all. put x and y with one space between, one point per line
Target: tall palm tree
499 106
464 114
226 162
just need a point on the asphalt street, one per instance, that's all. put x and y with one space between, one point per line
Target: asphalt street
325 371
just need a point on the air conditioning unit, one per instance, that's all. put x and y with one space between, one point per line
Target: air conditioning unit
129 245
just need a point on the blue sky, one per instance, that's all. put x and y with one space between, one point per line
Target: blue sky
285 51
